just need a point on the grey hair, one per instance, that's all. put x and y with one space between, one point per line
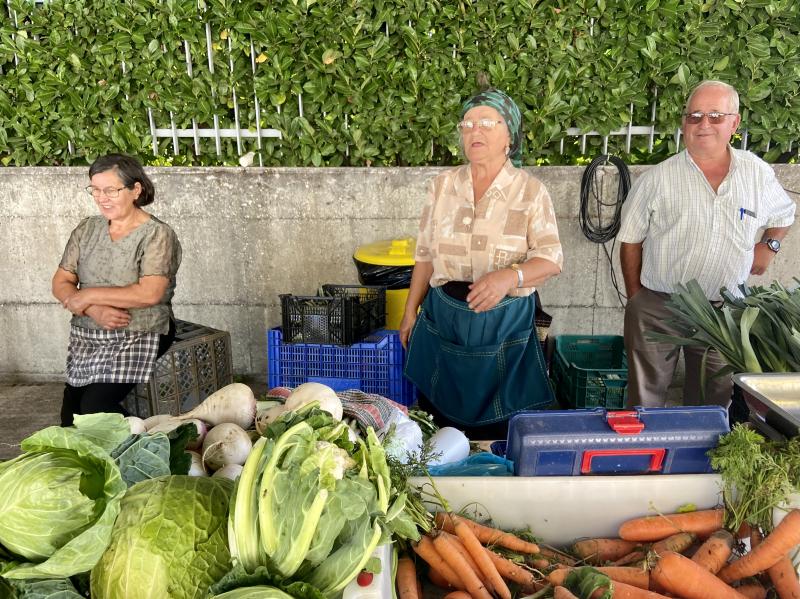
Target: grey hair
733 95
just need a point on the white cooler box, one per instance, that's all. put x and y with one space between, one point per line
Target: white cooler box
561 509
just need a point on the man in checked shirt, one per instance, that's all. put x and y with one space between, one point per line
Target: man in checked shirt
695 216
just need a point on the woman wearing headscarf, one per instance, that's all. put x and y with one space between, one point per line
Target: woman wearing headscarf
487 238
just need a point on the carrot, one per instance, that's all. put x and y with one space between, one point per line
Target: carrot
438 579
784 579
556 556
681 576
563 593
406 579
486 534
655 528
714 553
427 551
752 591
485 564
633 576
775 546
679 542
459 546
600 551
458 595
513 572
620 590
633 557
468 577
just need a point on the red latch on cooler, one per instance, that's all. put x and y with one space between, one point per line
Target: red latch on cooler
625 422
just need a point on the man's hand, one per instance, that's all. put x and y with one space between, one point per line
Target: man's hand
406 325
109 318
486 292
77 303
762 256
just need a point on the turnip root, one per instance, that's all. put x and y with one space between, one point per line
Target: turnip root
155 420
197 468
269 416
226 443
233 403
167 426
231 471
136 424
308 392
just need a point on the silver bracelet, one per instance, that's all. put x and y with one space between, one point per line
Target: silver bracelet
520 276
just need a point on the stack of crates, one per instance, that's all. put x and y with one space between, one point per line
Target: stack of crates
590 371
197 363
337 338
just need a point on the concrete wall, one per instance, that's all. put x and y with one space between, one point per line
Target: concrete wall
250 234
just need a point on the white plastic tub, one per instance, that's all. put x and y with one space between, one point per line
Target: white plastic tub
560 509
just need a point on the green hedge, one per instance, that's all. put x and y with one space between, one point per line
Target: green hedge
396 70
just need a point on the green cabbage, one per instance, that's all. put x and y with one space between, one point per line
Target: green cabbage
259 592
169 542
58 503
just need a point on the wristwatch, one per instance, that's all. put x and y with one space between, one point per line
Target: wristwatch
520 277
773 244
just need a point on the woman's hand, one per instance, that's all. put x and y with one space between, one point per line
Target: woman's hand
486 292
77 302
406 325
108 317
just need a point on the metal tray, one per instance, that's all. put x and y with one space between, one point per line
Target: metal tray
773 398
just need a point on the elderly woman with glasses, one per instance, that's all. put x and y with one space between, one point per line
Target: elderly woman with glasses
487 238
117 278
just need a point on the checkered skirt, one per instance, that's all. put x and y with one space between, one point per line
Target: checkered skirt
119 356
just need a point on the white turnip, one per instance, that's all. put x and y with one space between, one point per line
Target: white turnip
226 443
156 420
197 468
231 471
267 417
233 403
308 392
167 426
136 424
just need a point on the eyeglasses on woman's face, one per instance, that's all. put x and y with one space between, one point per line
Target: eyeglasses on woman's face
715 118
485 124
109 192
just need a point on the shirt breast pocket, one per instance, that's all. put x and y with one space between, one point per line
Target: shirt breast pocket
745 229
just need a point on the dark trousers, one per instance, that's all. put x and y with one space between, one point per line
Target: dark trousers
487 432
104 397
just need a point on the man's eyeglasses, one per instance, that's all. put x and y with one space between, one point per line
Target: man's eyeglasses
715 118
485 124
109 192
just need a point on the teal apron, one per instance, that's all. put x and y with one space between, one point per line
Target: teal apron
478 368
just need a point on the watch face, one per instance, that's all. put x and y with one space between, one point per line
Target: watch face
773 244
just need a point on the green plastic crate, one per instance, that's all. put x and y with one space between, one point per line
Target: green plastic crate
590 371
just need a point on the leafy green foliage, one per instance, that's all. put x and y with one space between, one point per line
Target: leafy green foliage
381 80
170 540
758 475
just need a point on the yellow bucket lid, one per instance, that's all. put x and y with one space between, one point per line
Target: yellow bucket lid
388 252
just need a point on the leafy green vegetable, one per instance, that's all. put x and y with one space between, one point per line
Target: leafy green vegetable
179 460
258 592
301 483
758 475
170 540
141 457
583 582
757 332
107 431
60 588
58 503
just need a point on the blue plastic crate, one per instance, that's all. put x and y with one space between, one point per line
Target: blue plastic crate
374 365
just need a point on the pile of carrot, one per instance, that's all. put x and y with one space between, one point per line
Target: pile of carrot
684 556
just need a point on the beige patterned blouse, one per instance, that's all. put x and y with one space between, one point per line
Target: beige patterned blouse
150 249
513 222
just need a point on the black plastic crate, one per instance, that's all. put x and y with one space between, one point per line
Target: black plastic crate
341 315
196 364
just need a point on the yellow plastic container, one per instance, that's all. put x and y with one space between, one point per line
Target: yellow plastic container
388 262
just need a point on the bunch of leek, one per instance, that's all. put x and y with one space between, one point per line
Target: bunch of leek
310 507
757 331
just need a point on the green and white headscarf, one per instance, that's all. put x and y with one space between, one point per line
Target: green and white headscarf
510 113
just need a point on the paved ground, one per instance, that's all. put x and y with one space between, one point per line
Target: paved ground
29 407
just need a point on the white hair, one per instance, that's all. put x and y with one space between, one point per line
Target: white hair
733 95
